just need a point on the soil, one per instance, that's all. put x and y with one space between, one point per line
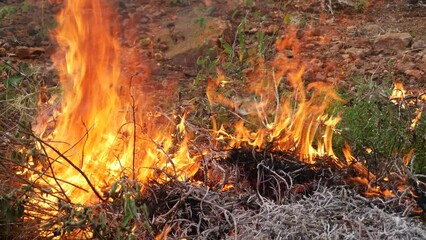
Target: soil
341 41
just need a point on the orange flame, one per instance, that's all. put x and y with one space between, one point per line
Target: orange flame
398 93
101 131
298 121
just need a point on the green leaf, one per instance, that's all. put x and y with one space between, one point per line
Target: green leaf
144 209
25 7
249 3
132 207
12 10
113 189
138 190
13 81
126 219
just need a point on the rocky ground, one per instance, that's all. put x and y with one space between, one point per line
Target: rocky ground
345 39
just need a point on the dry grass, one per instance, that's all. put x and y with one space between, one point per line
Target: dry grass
329 213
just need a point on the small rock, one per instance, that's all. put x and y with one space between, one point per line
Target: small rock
36 51
158 56
405 66
319 77
356 52
22 52
7 46
336 47
392 42
418 45
2 52
309 46
417 74
351 30
163 46
316 63
343 4
372 29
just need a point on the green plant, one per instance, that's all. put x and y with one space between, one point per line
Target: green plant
377 130
25 7
7 10
360 5
20 90
11 210
200 21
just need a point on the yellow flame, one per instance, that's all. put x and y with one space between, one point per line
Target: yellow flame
398 93
102 130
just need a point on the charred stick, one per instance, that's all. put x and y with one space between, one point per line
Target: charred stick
134 125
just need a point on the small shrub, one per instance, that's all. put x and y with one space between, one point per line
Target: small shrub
378 131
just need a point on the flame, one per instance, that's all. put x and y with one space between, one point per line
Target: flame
398 93
297 121
416 119
102 131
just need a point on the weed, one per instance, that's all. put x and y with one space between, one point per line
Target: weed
378 132
360 5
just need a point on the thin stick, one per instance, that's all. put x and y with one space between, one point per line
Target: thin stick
132 104
73 165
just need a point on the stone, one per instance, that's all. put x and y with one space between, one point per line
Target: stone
392 42
343 4
356 52
418 45
405 66
416 74
22 52
372 29
36 51
422 65
186 41
28 52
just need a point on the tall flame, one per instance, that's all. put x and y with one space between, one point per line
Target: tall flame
102 132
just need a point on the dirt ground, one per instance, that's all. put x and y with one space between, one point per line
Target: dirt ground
340 41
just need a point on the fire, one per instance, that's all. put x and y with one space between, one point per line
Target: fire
297 121
102 132
398 93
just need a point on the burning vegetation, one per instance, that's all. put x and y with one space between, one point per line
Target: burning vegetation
102 162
